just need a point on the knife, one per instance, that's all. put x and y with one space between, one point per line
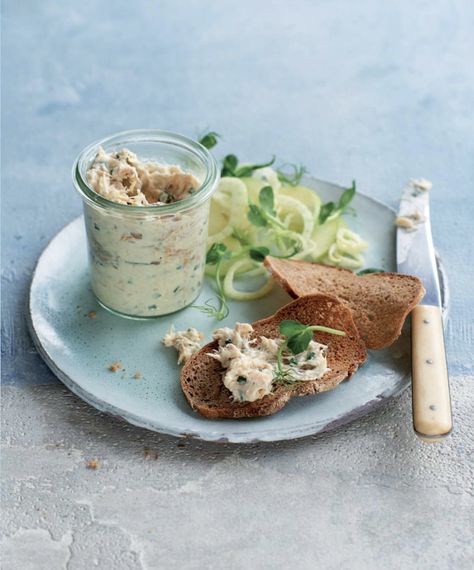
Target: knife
432 419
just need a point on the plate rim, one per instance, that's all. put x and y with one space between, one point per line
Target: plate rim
247 437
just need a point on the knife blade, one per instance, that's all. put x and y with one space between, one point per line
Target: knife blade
432 418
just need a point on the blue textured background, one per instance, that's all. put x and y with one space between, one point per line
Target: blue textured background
358 90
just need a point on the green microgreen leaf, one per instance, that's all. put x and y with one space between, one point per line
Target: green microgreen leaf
347 197
370 270
241 380
209 140
299 342
259 253
215 253
229 165
291 178
267 200
331 209
325 211
249 169
298 337
256 217
289 328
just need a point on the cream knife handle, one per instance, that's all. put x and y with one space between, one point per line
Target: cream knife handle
432 419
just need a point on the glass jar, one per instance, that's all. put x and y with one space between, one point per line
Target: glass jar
147 261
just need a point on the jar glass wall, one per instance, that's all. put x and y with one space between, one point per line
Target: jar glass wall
147 261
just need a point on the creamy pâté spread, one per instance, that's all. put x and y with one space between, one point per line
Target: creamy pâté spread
186 342
144 261
122 177
249 363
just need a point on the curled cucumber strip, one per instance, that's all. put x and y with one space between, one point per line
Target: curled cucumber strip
233 193
345 259
308 252
304 195
222 200
295 225
256 272
268 176
307 246
232 293
286 203
349 242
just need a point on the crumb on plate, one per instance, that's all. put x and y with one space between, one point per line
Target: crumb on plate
149 453
115 366
92 464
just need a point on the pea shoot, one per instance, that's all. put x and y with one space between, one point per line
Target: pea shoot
210 139
215 256
230 167
332 209
298 336
292 178
264 215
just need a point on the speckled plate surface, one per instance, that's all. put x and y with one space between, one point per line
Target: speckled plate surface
79 349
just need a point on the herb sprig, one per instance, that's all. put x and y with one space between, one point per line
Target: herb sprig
334 209
298 336
292 178
230 167
264 214
216 254
210 139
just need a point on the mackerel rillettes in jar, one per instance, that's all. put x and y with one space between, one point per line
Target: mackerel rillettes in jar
146 198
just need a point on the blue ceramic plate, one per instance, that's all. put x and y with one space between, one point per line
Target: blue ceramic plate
79 349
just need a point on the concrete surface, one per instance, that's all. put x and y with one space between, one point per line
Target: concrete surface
370 90
366 496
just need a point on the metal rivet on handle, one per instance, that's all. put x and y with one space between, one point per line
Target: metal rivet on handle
429 361
426 321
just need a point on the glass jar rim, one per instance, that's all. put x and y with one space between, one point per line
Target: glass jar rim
147 135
